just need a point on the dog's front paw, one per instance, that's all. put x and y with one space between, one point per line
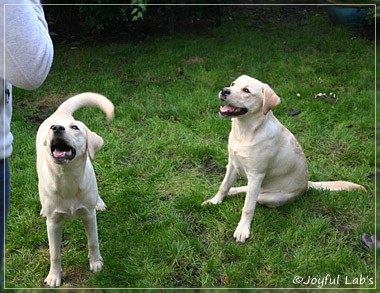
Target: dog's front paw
241 233
100 205
214 200
53 280
96 266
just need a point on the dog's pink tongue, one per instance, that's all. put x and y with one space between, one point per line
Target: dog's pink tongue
60 154
227 108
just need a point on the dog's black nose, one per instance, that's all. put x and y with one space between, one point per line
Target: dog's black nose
226 91
57 128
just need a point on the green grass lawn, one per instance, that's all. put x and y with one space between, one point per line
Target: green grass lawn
166 150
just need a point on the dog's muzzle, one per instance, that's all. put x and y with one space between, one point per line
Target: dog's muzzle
229 110
61 151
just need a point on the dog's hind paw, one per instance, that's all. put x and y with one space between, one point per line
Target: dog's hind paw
237 190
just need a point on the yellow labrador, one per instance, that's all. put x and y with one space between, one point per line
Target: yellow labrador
262 150
67 184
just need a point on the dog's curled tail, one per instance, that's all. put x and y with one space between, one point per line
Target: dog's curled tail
87 99
335 185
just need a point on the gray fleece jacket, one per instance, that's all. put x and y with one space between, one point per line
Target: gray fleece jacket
26 55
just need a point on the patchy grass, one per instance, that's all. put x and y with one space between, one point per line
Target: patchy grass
166 149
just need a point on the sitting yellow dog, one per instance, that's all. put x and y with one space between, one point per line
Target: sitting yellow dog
262 150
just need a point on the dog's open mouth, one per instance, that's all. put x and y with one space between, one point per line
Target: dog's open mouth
61 151
231 111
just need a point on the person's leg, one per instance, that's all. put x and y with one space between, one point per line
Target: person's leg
4 206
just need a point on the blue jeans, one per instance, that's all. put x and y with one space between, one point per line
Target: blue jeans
4 206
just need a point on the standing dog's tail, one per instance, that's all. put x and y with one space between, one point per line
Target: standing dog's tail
87 99
335 185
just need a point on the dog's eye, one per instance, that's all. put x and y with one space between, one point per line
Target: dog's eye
246 90
74 127
232 84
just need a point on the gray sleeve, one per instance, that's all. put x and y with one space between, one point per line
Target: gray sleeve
28 49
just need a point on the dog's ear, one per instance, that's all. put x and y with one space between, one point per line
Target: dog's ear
94 143
270 99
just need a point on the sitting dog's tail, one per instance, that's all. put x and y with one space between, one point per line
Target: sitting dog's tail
335 185
328 185
87 100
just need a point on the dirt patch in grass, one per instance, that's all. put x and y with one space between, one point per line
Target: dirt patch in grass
41 108
73 276
186 273
195 227
346 232
45 103
211 167
194 60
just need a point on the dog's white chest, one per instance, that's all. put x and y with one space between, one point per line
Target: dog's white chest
67 211
72 211
71 203
238 162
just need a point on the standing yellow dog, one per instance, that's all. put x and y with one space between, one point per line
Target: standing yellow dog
67 183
